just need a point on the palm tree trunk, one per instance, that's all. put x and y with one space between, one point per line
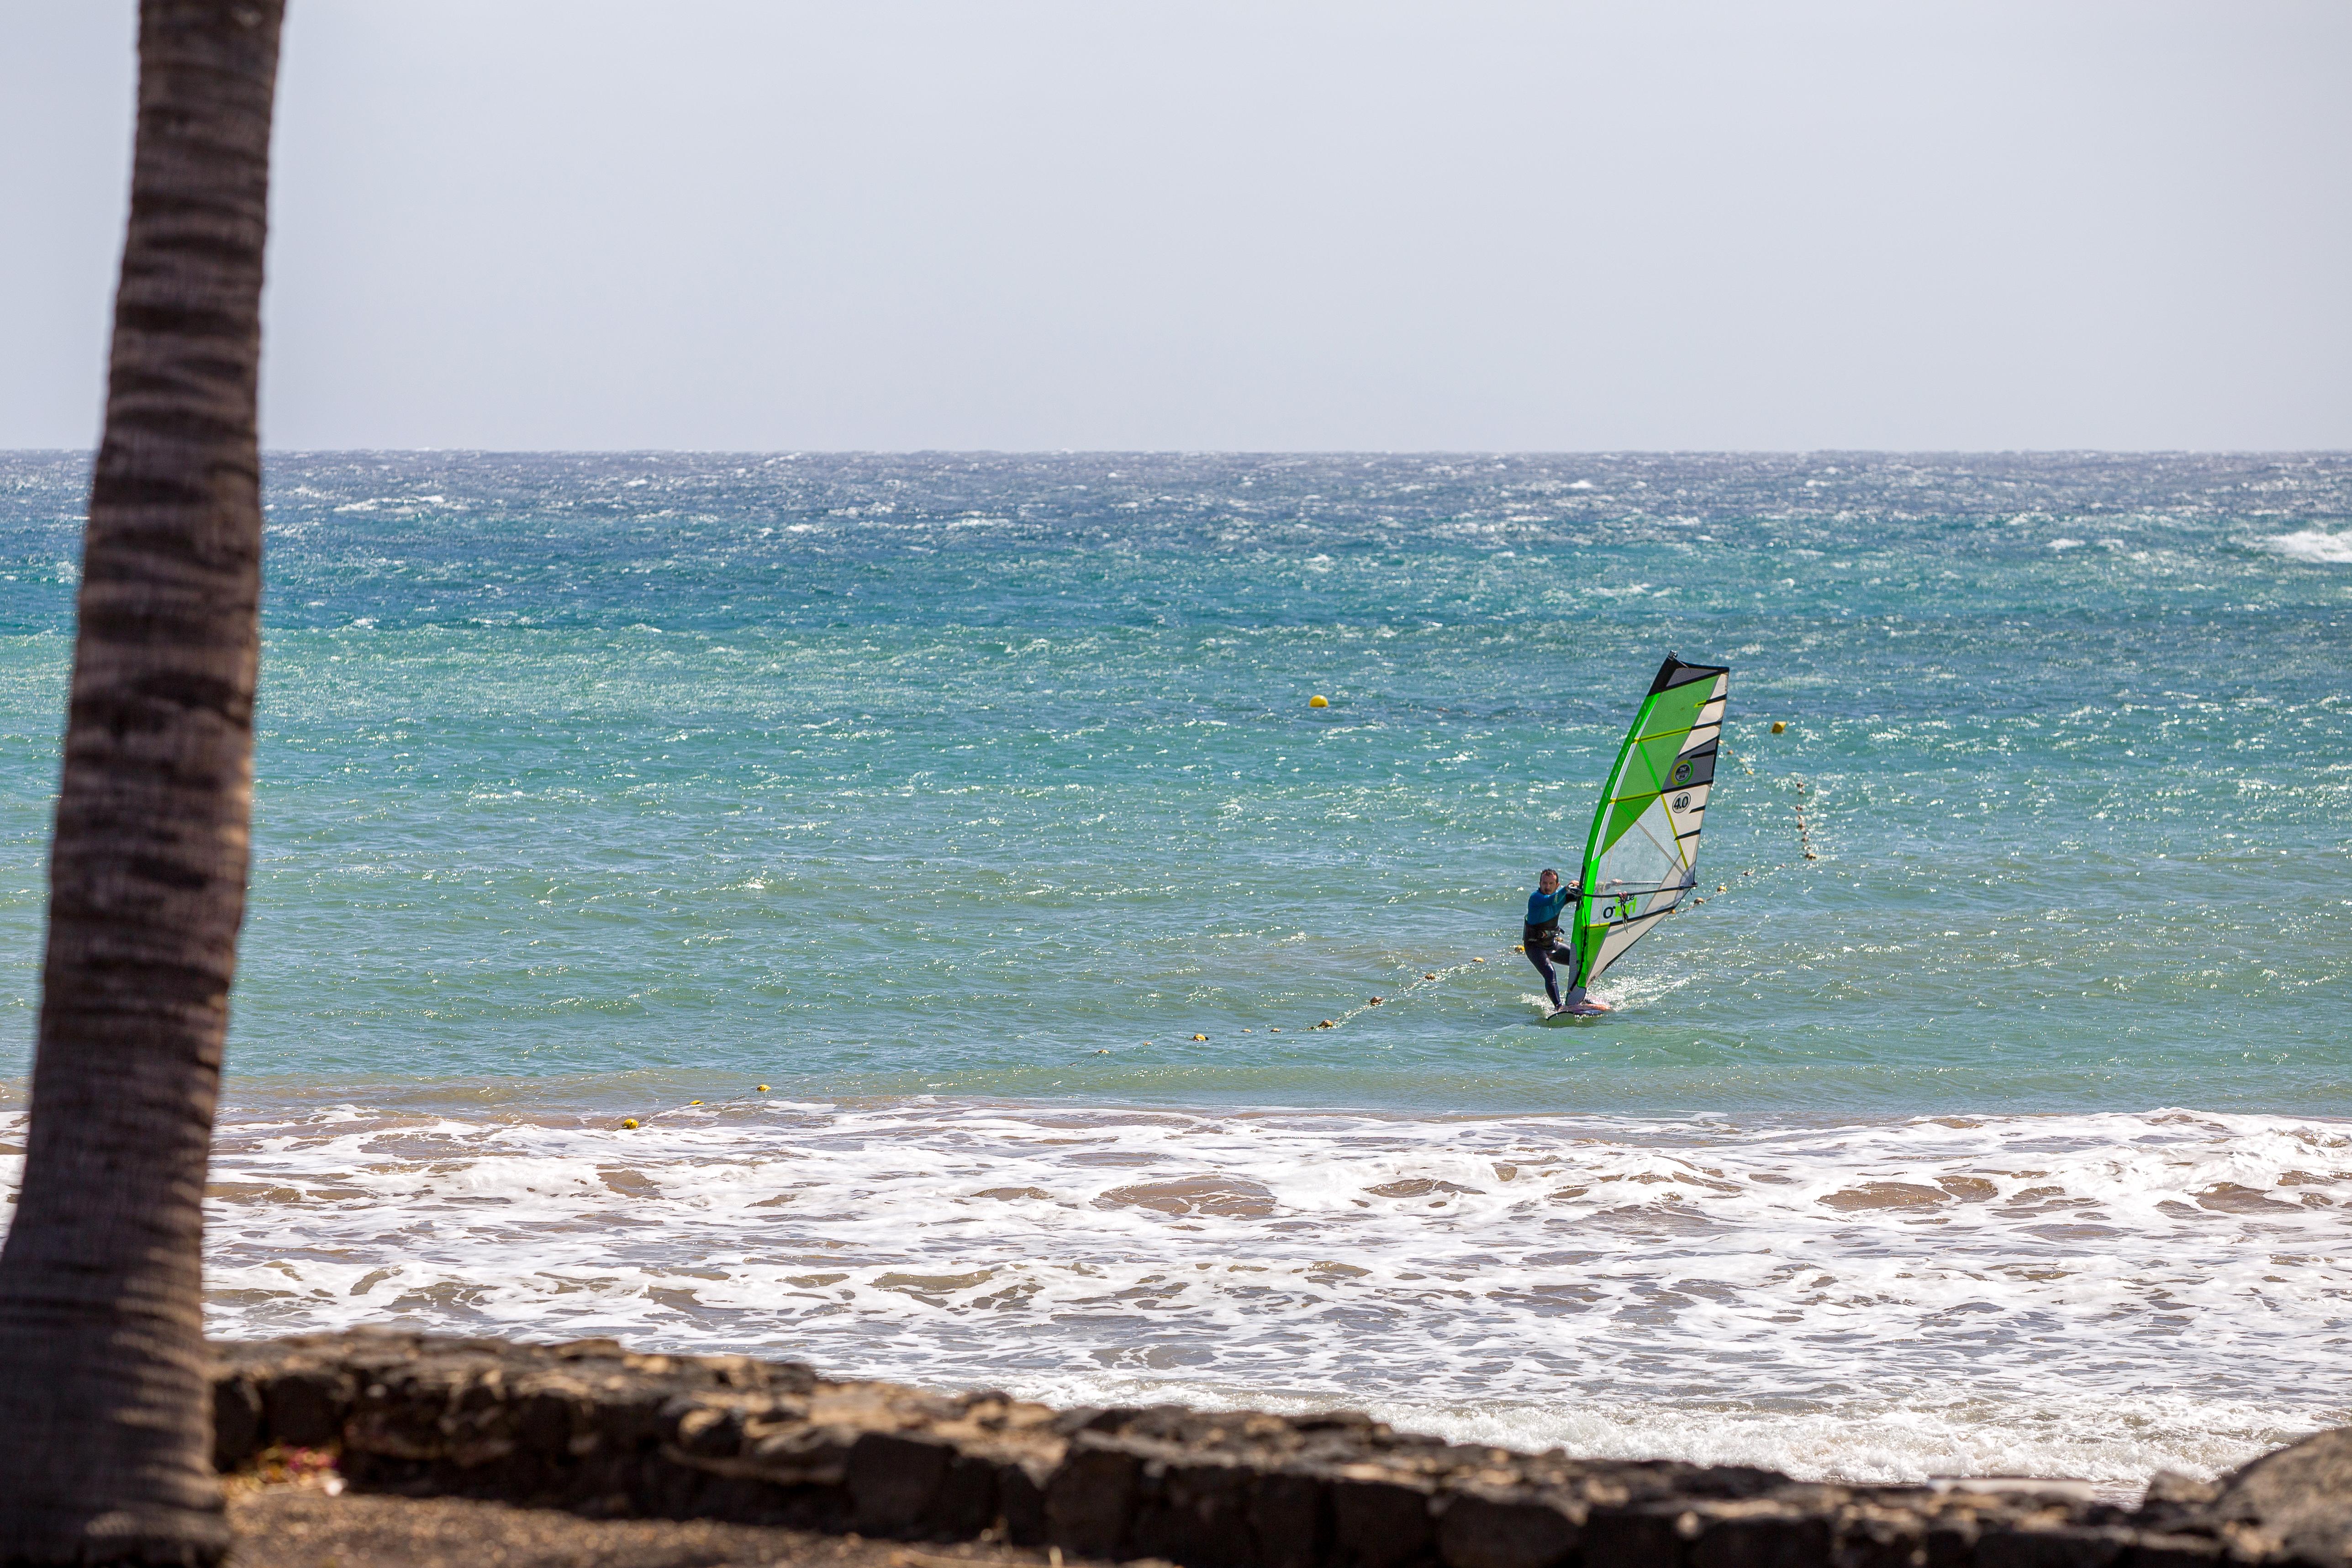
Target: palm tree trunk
105 1419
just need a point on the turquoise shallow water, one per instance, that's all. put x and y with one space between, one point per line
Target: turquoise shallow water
952 797
895 775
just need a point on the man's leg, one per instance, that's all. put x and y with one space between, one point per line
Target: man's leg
1575 989
1542 960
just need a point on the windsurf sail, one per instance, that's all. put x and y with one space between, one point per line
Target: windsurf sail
1641 858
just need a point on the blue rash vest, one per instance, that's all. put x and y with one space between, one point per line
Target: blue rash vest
1543 909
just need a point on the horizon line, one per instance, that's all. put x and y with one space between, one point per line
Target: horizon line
772 452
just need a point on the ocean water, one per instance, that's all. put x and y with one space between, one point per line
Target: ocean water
939 858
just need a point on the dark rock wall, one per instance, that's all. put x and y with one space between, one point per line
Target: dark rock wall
591 1427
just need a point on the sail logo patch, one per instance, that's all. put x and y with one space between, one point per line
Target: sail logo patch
1681 803
1681 773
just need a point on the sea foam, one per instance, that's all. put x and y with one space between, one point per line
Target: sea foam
2099 1295
2311 544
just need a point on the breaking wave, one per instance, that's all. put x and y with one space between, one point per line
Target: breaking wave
2310 544
2100 1295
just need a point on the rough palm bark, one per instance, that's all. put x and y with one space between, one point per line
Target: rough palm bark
105 1423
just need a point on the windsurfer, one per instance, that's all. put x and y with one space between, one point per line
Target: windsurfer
1541 942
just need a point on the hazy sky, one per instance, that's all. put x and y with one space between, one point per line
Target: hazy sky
905 224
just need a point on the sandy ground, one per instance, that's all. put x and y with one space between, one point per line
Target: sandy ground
301 1527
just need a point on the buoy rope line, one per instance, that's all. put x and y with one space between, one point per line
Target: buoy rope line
631 1123
1428 976
1804 835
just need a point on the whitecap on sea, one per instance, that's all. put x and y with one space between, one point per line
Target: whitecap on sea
2311 544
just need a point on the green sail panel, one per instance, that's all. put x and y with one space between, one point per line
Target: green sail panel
1640 859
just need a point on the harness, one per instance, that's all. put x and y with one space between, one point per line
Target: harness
1546 935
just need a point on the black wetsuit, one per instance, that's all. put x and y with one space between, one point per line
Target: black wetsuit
1542 939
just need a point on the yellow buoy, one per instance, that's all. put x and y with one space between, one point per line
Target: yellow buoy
1779 726
1319 700
764 1089
628 1122
1200 1037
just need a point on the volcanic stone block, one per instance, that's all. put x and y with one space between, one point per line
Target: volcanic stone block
236 1422
1195 1513
1290 1519
2297 1500
1645 1537
1090 1496
1882 1539
1951 1543
706 1433
2058 1547
967 1502
1480 1530
814 1456
2173 1552
305 1408
1021 1503
1380 1523
547 1421
895 1481
1761 1539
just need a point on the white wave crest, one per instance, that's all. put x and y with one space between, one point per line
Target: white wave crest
2310 544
